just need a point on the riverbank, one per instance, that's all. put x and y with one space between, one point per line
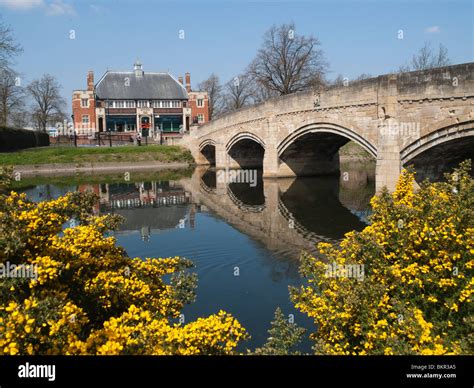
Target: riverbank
95 168
77 179
85 158
352 152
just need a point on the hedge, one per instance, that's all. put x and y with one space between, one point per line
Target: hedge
14 139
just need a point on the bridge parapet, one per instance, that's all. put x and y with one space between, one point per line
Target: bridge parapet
384 114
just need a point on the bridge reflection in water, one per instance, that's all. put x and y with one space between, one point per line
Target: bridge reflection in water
261 230
287 214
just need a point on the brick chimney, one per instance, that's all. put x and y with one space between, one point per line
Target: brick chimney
138 69
90 81
180 80
188 82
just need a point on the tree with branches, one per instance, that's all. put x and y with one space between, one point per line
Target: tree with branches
238 92
47 101
214 91
11 95
427 58
9 48
288 63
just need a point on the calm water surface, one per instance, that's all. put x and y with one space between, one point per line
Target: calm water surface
245 241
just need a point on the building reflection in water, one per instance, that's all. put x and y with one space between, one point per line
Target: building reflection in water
147 207
286 214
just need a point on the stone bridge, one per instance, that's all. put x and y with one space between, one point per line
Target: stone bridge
420 118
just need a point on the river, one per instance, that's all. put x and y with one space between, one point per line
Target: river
245 240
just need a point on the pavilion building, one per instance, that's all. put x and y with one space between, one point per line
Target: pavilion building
151 103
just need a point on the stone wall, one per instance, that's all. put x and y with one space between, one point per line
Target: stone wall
392 117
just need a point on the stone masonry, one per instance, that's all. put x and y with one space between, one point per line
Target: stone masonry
394 117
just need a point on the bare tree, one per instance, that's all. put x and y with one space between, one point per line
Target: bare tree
363 76
288 63
340 80
20 118
238 92
11 95
8 46
214 91
260 93
427 58
47 100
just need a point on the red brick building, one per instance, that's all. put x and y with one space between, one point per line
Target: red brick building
154 104
83 106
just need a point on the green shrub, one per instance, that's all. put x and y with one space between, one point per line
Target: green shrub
15 139
416 260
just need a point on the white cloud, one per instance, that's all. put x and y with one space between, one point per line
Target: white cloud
58 7
21 4
97 9
432 30
52 8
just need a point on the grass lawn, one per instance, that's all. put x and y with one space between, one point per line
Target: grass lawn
355 150
83 178
46 155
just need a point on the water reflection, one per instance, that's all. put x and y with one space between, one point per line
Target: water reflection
290 214
220 226
314 203
286 215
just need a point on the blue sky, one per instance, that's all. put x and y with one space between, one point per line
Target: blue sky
223 36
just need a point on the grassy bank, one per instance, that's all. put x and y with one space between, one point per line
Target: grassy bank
83 178
79 155
353 151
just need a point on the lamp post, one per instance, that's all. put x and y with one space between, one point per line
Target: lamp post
106 126
160 129
74 130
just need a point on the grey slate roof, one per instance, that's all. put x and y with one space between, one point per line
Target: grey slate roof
165 217
113 85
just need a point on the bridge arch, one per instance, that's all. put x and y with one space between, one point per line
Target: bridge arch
313 149
445 146
245 150
324 127
444 132
207 148
207 142
243 136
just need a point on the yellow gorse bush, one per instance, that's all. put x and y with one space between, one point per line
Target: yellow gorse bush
416 295
88 296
